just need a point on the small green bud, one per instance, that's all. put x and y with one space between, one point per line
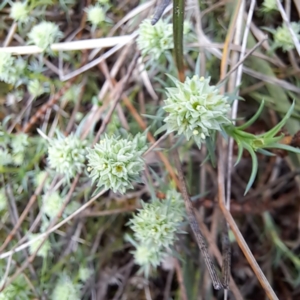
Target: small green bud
155 40
95 15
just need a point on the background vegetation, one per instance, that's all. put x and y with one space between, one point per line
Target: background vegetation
97 86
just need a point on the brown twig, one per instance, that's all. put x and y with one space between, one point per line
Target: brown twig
194 225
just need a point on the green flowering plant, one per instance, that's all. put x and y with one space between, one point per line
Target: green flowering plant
66 155
155 227
115 162
19 12
197 110
44 35
283 38
95 15
11 68
155 40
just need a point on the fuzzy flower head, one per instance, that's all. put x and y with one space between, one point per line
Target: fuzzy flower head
66 155
283 38
95 15
156 224
11 69
195 108
115 162
155 40
43 251
65 289
44 34
19 12
52 204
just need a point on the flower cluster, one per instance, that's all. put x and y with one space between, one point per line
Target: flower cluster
95 14
283 37
43 251
155 40
155 227
19 12
65 289
11 69
115 162
196 109
66 155
44 34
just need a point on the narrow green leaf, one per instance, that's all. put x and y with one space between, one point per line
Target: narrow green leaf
265 152
211 151
272 132
254 118
284 147
240 153
254 168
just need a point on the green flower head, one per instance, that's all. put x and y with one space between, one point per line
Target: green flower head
19 12
157 222
196 109
95 15
44 34
115 162
283 38
66 155
11 69
155 40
